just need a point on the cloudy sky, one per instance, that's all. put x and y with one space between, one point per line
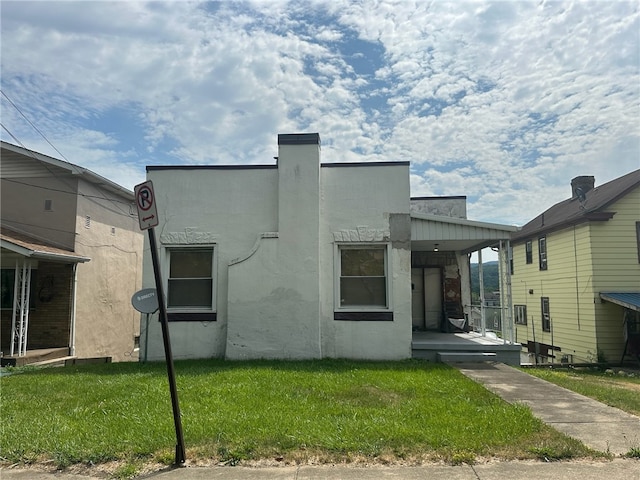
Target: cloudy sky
503 102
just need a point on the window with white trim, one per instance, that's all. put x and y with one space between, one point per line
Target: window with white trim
191 283
363 277
542 252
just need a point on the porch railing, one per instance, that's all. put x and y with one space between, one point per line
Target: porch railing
493 321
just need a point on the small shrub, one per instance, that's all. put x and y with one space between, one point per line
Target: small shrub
551 454
126 471
460 458
633 453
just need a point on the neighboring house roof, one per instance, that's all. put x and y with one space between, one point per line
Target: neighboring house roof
455 234
13 165
31 247
573 211
629 300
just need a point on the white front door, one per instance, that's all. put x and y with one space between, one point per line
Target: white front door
433 298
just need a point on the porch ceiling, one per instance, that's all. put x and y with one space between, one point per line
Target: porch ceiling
455 234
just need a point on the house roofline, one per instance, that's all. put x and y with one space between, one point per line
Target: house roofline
72 169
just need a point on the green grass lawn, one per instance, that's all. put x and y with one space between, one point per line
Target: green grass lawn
329 410
611 389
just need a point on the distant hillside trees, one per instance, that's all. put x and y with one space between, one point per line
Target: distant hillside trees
491 280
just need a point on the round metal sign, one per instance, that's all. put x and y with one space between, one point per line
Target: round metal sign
145 300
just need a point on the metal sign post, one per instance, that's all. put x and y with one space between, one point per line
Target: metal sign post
148 218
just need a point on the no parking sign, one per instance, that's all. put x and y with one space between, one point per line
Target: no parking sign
146 203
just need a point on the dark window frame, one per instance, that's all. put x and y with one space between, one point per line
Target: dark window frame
185 313
528 252
638 239
520 314
545 314
542 252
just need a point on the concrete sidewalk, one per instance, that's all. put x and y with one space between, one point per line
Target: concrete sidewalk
598 426
617 469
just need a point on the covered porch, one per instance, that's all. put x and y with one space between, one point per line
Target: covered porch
38 300
464 347
448 325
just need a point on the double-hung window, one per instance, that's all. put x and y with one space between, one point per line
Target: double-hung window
191 286
542 252
362 282
546 315
528 248
520 314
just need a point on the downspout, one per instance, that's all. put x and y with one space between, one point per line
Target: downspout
72 333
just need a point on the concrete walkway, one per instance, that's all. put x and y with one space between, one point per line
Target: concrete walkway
596 425
617 469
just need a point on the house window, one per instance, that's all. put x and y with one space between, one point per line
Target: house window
363 277
7 284
362 287
520 314
191 287
546 316
542 252
511 266
528 248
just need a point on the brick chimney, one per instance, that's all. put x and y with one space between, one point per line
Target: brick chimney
584 183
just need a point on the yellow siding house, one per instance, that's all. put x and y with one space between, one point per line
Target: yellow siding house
576 276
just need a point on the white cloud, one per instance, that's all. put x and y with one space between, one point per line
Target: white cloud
478 96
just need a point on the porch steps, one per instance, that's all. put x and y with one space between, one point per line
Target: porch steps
463 357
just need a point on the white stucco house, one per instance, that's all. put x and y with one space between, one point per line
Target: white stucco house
302 260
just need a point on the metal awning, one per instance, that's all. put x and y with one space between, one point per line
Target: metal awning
630 300
455 234
25 246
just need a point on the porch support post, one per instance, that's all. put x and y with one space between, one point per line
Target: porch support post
20 318
483 320
505 292
15 311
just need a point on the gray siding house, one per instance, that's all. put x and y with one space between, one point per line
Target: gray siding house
71 258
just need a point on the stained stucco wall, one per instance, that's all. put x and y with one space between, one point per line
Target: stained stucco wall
273 299
359 199
274 233
107 233
228 208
